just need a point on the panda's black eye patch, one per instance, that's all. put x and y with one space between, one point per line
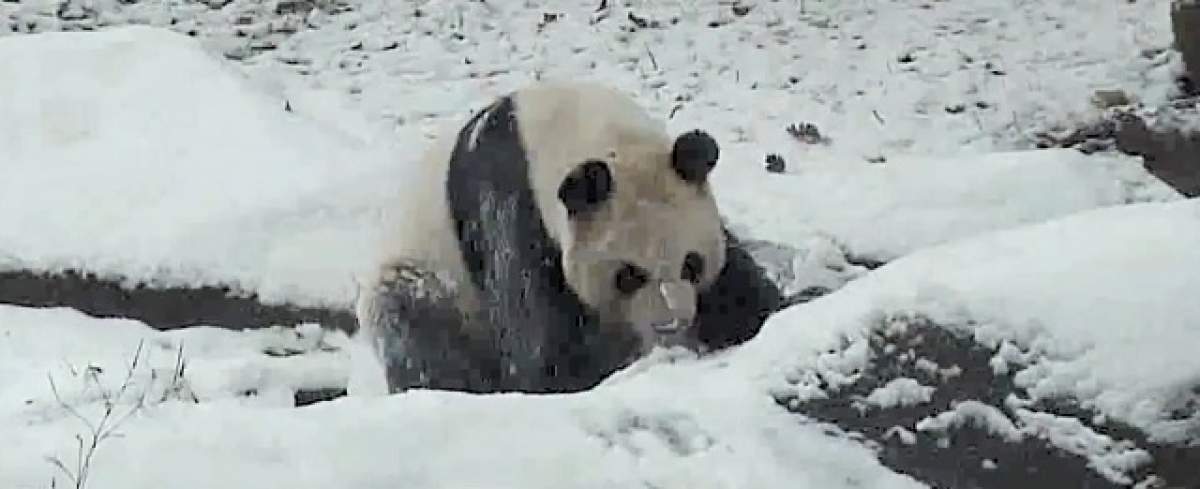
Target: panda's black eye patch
630 278
693 267
586 187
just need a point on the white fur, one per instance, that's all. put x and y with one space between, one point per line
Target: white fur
562 125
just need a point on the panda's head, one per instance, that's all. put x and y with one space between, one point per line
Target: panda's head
643 235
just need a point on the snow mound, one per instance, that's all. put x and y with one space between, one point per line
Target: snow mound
216 364
1096 309
888 210
114 167
691 426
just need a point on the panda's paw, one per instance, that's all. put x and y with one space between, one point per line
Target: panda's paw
414 280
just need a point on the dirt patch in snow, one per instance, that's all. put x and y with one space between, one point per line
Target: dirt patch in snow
948 441
160 308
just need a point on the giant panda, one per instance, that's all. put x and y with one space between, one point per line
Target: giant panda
555 237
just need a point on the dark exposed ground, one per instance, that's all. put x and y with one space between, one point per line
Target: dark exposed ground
1171 155
1030 463
160 308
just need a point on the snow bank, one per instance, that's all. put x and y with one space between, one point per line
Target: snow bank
683 426
218 364
132 152
1101 305
889 210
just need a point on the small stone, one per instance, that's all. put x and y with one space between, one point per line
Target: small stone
775 163
1107 99
806 133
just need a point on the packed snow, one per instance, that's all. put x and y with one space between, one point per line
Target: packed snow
900 392
142 154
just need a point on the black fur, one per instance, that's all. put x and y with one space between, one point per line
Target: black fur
423 344
586 187
733 309
694 155
543 331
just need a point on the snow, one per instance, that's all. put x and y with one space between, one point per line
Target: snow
631 432
1112 459
1100 319
1078 270
900 392
218 364
292 207
889 210
974 413
906 437
669 420
1014 67
237 191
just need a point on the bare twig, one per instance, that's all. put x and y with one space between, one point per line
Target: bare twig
877 116
85 447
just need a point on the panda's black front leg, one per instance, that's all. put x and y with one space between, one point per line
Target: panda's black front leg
420 335
522 325
734 308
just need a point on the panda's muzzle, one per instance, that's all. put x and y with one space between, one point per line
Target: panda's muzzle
663 312
679 305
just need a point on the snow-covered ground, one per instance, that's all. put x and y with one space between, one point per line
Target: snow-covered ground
1092 307
631 434
879 80
215 184
241 192
1077 302
142 154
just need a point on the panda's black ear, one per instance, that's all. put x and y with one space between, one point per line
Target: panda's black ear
694 155
586 187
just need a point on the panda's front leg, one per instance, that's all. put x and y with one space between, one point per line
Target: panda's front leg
416 329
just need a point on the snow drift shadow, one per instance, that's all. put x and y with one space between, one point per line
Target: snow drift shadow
973 455
161 308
